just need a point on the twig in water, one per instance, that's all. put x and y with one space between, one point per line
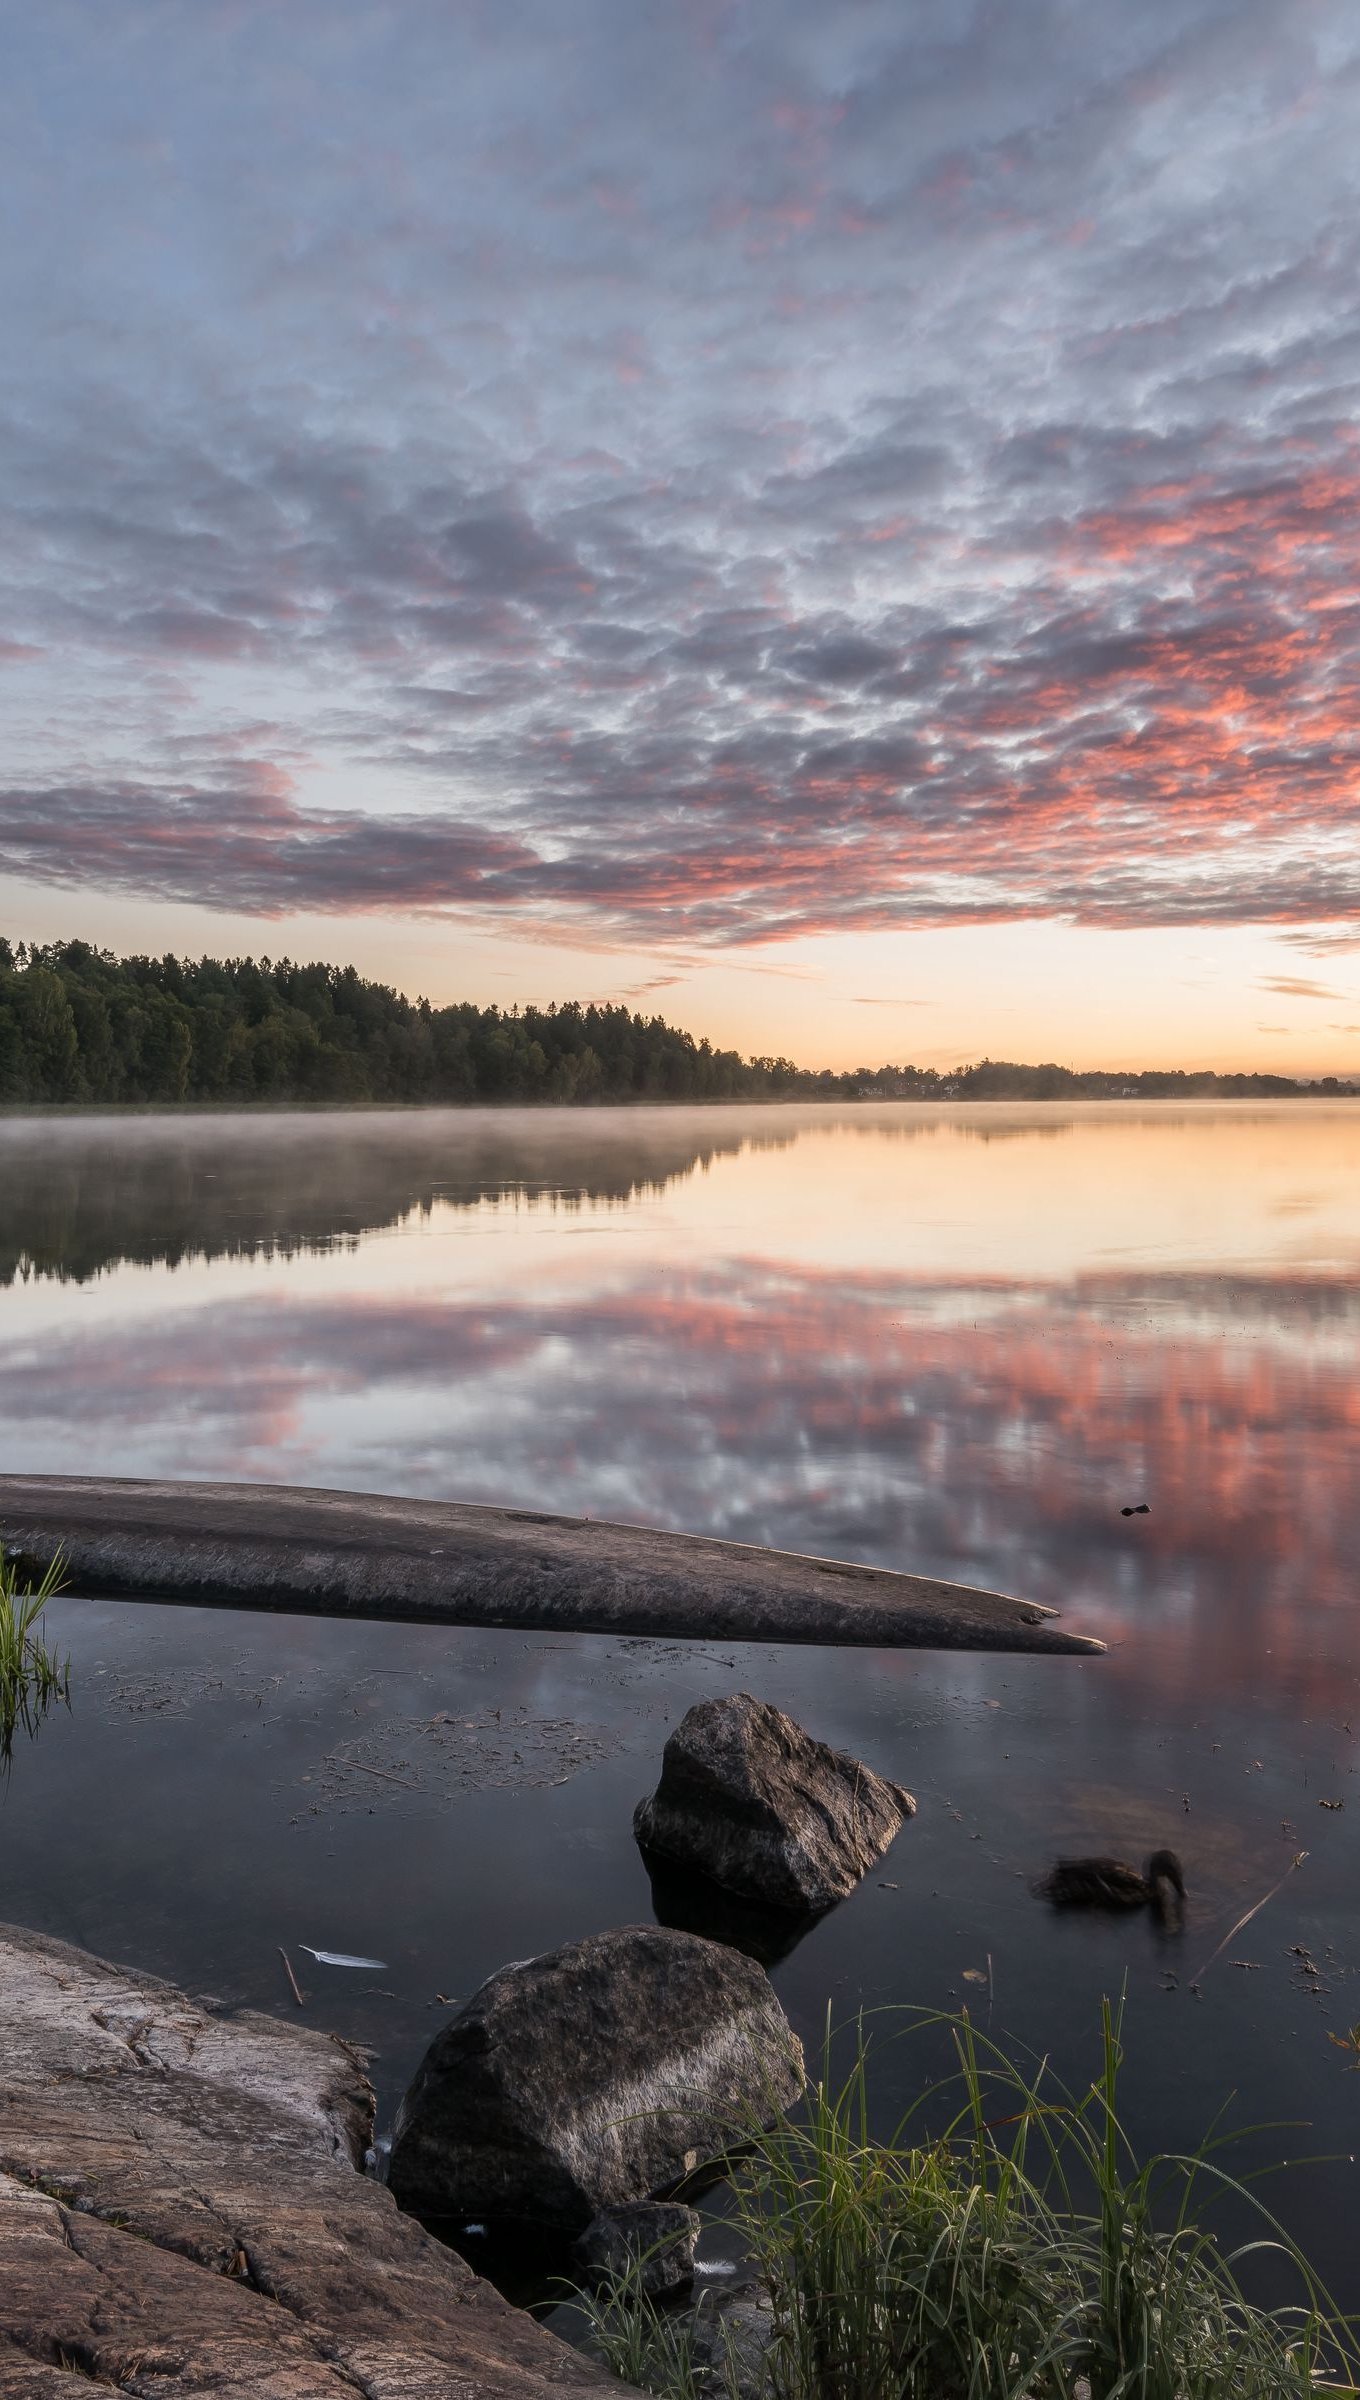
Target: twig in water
1294 1864
288 1971
385 1772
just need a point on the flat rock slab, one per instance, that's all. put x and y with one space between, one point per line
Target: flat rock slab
355 1554
180 2213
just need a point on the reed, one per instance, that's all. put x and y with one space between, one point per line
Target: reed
33 1679
1020 2251
654 2348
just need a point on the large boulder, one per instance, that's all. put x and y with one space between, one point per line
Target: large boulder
182 2212
750 1800
592 2077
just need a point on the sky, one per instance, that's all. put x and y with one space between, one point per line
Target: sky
834 524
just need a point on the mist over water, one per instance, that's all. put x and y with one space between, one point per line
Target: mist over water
955 1342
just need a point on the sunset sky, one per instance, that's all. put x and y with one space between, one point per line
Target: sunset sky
834 522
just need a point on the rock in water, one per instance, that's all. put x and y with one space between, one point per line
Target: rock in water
749 1799
655 2240
592 2077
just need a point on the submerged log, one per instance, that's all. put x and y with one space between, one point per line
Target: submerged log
181 2212
359 1554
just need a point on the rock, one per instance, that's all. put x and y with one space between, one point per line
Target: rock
656 2236
592 2077
180 2213
750 1800
733 2334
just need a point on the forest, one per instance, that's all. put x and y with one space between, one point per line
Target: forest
79 1026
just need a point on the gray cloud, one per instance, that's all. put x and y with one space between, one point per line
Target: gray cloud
698 472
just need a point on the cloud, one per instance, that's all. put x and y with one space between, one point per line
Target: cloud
1298 987
248 845
1321 944
649 987
903 476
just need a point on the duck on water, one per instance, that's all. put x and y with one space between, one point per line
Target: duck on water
1110 1883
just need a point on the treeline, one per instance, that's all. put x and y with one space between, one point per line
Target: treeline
77 1024
999 1079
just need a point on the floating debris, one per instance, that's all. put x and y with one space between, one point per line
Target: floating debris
435 1759
1292 1869
342 1958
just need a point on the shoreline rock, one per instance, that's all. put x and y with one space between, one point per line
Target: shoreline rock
181 2211
598 2075
754 1803
654 2240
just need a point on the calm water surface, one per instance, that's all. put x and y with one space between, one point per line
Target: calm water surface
952 1341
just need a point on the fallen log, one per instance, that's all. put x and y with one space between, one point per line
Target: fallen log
359 1554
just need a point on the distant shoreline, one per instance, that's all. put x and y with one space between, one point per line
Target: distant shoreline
81 1029
76 1111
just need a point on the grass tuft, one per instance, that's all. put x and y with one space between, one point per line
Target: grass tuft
1020 2253
636 2339
32 1678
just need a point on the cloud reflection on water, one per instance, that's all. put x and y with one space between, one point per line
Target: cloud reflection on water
987 1431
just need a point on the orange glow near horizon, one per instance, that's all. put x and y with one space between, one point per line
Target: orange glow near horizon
1193 997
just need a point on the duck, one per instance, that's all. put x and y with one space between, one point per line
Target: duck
1109 1883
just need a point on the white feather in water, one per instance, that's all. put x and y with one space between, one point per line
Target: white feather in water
341 1958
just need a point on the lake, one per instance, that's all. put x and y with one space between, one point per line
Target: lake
959 1342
